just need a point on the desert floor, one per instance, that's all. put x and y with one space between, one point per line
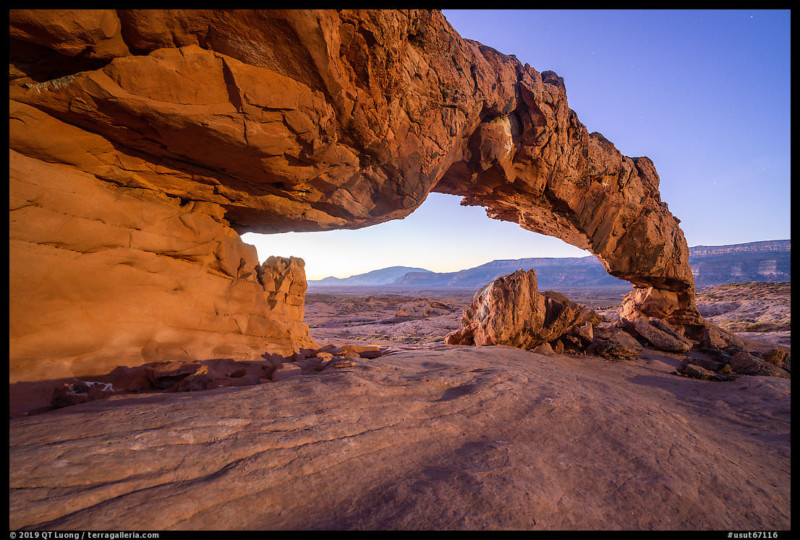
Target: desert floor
395 316
426 436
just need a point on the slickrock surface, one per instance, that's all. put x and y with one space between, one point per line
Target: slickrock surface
748 307
426 438
755 310
143 141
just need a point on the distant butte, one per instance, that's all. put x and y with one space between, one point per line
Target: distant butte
143 142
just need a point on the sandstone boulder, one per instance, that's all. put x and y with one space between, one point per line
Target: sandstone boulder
79 392
507 311
778 357
343 363
676 332
164 375
573 344
199 380
748 364
309 365
565 316
695 371
707 363
510 311
363 351
659 338
713 337
775 371
585 332
619 336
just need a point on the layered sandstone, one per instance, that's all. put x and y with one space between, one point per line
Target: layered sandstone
103 275
143 141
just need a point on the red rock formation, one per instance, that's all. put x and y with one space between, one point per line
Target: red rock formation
510 311
103 275
661 336
142 141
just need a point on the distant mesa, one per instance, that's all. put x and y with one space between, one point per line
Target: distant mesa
711 265
553 272
767 246
383 276
753 261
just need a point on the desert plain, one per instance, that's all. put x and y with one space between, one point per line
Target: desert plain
422 436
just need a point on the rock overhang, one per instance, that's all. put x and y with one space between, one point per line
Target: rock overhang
273 120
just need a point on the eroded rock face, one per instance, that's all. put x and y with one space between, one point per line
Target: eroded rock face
510 311
143 141
103 275
661 336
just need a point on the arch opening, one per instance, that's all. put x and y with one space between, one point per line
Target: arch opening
237 138
441 236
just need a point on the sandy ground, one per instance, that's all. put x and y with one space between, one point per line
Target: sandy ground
384 319
426 436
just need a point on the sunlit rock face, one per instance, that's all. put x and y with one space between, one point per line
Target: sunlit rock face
511 311
143 142
103 275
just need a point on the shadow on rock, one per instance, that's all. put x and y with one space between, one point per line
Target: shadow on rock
28 398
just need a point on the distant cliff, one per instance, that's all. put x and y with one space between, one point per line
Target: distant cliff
768 246
711 265
754 261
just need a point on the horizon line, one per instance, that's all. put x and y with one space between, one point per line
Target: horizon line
529 258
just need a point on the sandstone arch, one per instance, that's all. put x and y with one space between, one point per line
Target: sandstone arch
142 142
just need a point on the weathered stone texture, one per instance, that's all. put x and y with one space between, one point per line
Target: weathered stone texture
142 141
511 311
661 337
103 274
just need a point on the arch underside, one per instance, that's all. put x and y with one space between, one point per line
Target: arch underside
174 130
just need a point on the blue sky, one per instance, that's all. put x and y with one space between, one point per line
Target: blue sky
704 93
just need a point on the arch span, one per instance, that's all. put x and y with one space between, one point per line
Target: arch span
170 131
